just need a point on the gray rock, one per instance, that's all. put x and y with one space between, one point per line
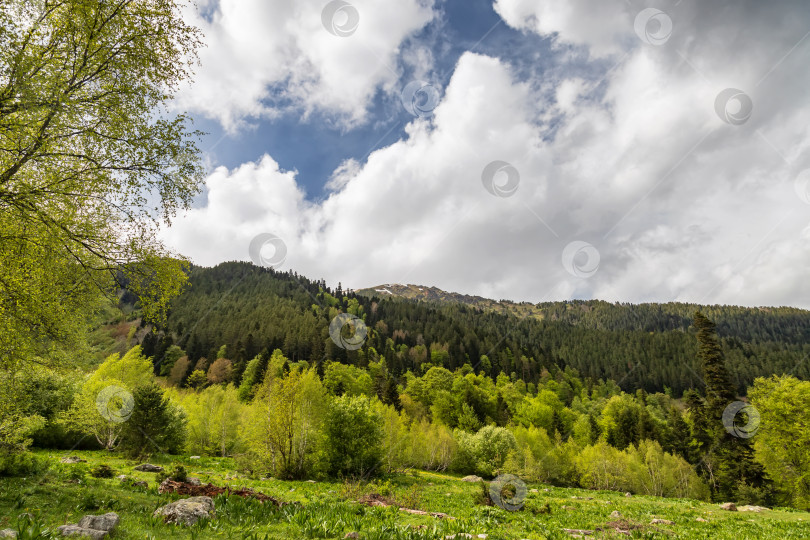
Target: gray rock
148 467
73 459
657 521
194 457
187 511
616 514
472 478
75 530
749 508
104 522
700 519
731 507
8 533
352 535
628 494
194 481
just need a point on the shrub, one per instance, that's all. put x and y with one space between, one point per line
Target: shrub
178 474
21 464
102 471
155 425
353 437
485 452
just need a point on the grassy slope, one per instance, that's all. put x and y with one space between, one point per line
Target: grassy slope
325 514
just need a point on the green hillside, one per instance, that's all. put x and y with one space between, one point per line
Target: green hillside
647 346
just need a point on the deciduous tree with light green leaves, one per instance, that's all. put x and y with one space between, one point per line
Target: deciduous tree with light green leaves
782 443
105 401
92 161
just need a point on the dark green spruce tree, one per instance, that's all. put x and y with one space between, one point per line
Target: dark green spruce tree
726 460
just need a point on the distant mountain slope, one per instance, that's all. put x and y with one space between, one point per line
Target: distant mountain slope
650 346
434 294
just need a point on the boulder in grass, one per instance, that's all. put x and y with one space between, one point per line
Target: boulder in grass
104 522
148 467
73 459
731 507
658 521
472 478
93 527
750 508
81 532
187 511
8 533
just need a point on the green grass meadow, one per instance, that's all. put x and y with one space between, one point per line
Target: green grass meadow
65 492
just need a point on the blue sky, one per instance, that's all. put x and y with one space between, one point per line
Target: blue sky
315 147
629 150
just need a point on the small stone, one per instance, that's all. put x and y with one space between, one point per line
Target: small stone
194 481
700 519
657 521
472 478
616 514
121 477
148 467
352 535
311 482
73 459
140 483
582 498
194 457
628 494
534 491
731 507
8 533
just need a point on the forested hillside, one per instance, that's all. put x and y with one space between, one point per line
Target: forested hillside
649 346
